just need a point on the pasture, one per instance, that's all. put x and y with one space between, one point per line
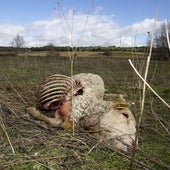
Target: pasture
26 143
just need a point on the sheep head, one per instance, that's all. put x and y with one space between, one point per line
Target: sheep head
112 124
120 128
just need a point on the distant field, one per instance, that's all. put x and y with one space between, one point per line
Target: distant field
82 54
39 147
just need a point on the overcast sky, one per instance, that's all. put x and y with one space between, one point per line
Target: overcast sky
81 22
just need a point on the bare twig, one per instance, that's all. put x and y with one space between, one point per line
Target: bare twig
139 163
156 94
167 34
73 49
13 88
154 160
7 105
146 74
91 149
156 116
6 134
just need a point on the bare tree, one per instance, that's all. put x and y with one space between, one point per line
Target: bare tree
18 41
161 43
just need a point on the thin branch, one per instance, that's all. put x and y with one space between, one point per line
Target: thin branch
167 34
18 94
139 163
91 149
143 92
156 94
6 134
146 73
85 23
12 110
74 49
157 117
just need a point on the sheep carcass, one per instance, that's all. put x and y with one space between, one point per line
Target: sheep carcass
79 101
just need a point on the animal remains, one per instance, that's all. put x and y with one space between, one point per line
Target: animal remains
78 103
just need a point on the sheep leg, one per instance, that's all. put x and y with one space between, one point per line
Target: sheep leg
53 122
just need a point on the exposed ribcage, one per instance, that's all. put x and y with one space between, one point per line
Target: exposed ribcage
84 90
53 90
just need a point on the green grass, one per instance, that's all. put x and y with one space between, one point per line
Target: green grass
40 147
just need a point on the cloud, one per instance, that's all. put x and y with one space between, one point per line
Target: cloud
8 31
77 29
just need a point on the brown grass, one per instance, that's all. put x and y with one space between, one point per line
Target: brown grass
37 146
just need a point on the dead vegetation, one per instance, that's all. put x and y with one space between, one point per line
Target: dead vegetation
26 143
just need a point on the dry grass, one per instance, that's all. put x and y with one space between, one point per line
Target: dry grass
30 144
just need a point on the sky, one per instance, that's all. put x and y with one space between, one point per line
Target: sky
81 22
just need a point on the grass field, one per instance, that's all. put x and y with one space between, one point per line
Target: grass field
29 144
